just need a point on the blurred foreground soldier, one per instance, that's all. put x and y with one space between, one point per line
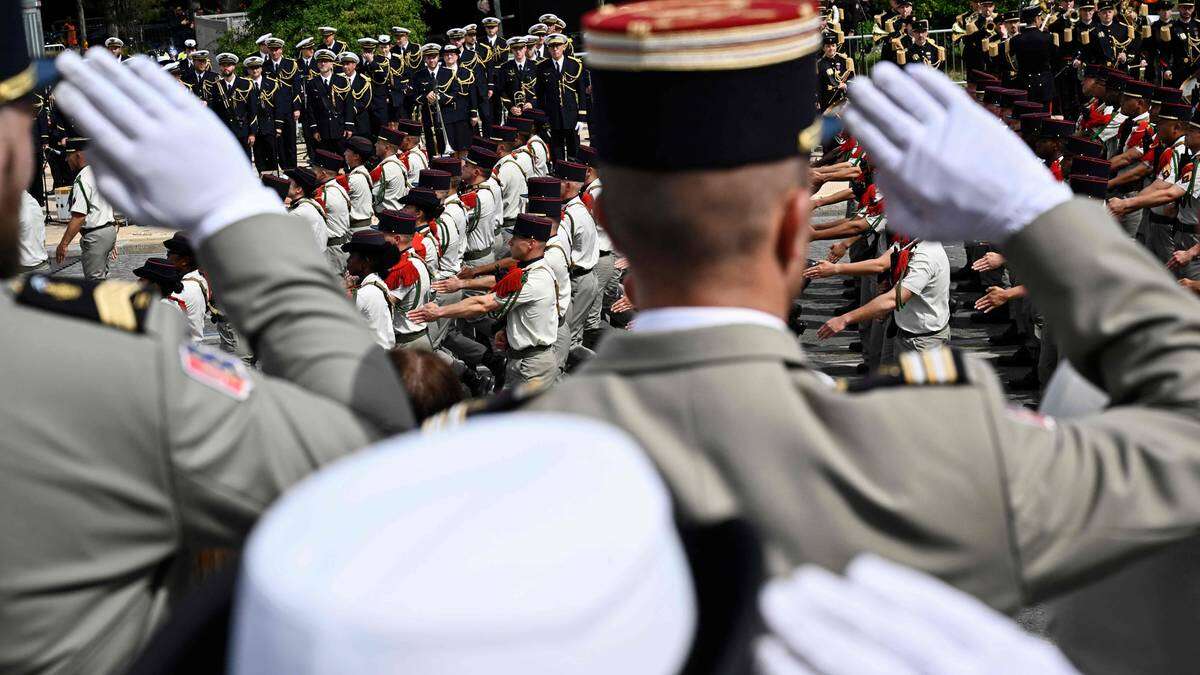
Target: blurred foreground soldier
885 618
388 572
1030 508
91 217
119 456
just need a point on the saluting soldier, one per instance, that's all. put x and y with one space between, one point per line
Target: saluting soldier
358 94
327 111
233 99
288 104
158 446
1004 523
561 81
274 114
834 70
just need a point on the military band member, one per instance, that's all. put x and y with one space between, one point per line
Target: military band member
480 79
376 67
405 48
517 79
328 113
261 51
921 49
537 47
358 93
560 88
234 101
305 53
329 40
91 216
434 95
200 76
116 47
1179 44
1034 54
1110 42
979 28
896 43
274 115
834 70
288 104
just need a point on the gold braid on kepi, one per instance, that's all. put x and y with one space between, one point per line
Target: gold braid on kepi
704 67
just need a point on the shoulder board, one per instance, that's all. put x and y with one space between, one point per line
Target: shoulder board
507 400
119 304
940 367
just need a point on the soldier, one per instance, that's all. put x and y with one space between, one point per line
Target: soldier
185 57
493 41
358 93
978 28
200 76
891 27
336 200
1059 526
1034 53
517 79
409 280
329 40
288 103
431 87
1179 44
234 101
359 151
91 216
561 81
160 274
1110 42
305 51
181 430
273 115
580 233
404 48
195 293
537 49
390 79
302 190
116 47
478 77
526 298
371 256
389 177
461 115
895 46
263 52
834 70
377 70
412 155
484 209
1060 26
921 50
328 113
511 177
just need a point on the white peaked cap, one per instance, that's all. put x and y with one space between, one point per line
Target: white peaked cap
523 543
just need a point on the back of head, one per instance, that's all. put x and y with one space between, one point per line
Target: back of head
680 197
431 384
551 552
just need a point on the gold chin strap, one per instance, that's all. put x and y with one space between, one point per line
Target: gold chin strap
17 86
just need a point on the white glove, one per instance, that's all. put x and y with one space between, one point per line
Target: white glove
159 155
952 171
885 618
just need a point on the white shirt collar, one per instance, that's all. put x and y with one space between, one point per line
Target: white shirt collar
688 318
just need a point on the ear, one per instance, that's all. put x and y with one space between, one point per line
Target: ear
794 234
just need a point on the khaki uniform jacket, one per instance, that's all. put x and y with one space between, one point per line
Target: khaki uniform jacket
116 454
942 477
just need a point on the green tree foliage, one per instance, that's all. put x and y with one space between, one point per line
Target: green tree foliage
293 21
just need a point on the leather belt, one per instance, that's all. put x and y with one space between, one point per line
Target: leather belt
86 230
476 255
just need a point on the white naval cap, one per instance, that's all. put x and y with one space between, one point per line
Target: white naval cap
552 552
114 42
262 39
347 57
189 43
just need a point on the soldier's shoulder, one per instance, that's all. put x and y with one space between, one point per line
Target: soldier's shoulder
118 305
509 400
940 367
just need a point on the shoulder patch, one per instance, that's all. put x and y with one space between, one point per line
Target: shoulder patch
119 304
941 366
216 370
508 400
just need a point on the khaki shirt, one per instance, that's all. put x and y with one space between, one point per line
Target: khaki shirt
930 466
117 458
531 314
86 199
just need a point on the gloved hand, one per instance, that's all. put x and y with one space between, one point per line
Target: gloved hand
951 170
160 156
885 618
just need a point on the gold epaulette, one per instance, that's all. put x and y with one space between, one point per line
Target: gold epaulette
942 366
508 400
119 304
